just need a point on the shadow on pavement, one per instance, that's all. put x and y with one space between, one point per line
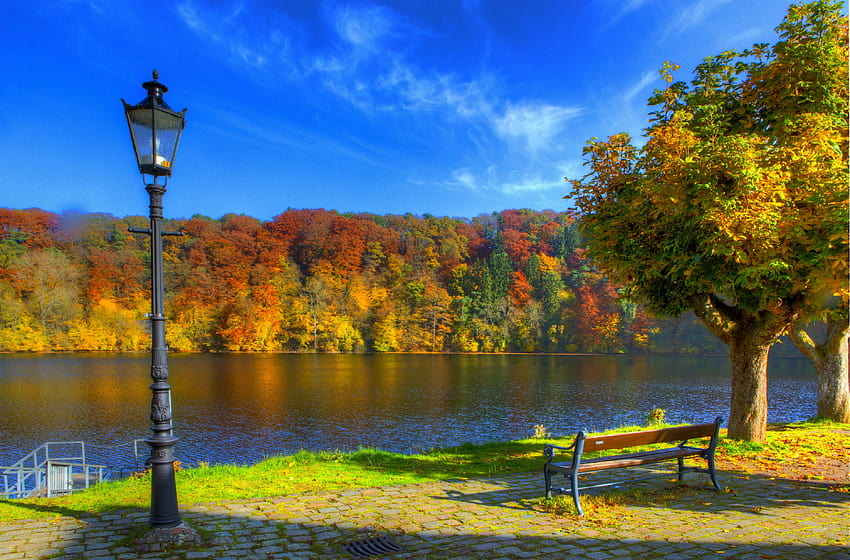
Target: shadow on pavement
440 520
45 508
741 491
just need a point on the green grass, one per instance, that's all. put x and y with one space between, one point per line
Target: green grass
302 472
330 471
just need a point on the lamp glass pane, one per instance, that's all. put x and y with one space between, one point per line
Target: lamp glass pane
155 133
167 131
142 139
167 135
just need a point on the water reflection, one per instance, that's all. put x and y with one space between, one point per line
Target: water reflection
238 408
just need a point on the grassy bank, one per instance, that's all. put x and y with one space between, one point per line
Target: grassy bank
792 446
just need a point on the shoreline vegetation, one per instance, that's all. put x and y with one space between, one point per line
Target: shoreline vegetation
322 281
420 353
813 451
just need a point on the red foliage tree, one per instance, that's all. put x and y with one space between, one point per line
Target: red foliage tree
520 290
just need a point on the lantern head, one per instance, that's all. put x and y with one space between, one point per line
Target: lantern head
155 130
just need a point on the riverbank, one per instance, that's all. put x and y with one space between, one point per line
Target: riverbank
815 452
493 518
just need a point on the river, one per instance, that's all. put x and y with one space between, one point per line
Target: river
239 408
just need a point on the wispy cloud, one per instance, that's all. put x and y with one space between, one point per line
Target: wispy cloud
693 14
363 60
190 15
570 169
250 47
624 109
535 125
530 185
366 67
623 8
290 139
418 90
100 7
631 108
364 28
465 179
744 38
369 69
639 87
492 181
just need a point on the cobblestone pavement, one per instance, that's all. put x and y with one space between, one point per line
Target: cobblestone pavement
494 518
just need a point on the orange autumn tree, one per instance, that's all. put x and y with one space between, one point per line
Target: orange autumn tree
736 205
314 280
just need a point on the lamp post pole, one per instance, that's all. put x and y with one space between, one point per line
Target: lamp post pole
155 130
164 510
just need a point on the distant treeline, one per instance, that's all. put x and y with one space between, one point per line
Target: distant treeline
318 280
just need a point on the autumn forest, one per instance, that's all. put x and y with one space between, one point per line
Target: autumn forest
321 281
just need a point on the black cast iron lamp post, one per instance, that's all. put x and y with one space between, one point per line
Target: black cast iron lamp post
155 130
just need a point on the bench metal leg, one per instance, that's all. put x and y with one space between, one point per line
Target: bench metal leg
574 489
713 473
710 470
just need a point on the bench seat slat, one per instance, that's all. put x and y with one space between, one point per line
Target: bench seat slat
630 459
633 439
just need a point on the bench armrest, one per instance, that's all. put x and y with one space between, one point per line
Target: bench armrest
549 450
712 444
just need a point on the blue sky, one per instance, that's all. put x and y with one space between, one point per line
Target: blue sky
453 108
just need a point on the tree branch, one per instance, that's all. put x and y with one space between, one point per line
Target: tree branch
836 332
798 335
716 315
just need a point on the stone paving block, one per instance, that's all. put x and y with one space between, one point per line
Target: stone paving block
679 556
451 520
198 554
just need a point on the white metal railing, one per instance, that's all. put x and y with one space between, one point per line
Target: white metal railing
52 469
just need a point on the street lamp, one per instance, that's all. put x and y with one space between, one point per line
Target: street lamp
155 130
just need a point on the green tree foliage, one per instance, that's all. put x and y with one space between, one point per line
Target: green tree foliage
735 207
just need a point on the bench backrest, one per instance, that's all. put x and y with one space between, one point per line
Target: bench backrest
663 435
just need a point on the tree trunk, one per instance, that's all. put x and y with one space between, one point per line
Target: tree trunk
831 363
748 411
834 385
749 337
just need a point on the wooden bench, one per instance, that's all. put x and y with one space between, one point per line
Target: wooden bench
578 464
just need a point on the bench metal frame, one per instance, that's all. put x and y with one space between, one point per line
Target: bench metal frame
581 465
